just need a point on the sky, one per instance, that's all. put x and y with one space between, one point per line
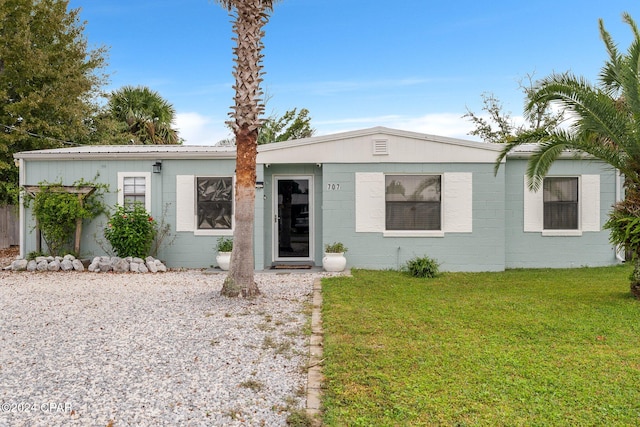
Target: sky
415 65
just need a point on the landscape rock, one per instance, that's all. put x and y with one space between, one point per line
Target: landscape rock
77 265
19 265
151 266
66 265
96 265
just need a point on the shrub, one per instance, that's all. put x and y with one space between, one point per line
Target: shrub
335 248
57 208
424 267
130 231
224 244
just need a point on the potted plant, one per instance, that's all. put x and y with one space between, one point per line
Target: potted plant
334 259
224 247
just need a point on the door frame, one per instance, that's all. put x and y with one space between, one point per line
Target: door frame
274 218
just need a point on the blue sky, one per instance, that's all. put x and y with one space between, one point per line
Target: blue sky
408 64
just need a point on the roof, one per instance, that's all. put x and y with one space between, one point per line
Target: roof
130 152
346 147
378 145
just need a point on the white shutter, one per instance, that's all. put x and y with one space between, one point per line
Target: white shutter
185 202
370 206
590 205
533 209
457 191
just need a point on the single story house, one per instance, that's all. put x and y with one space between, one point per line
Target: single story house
388 195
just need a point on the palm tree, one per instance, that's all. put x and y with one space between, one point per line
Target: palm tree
250 16
606 126
147 116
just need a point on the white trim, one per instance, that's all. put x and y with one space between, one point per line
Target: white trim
185 203
566 233
274 223
147 187
588 207
370 204
413 233
457 200
213 232
21 181
590 202
533 209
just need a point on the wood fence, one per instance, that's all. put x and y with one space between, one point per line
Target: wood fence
9 227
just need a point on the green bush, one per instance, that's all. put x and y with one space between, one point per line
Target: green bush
335 248
424 267
224 244
130 231
57 208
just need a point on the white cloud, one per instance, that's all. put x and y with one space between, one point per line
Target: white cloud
442 124
197 129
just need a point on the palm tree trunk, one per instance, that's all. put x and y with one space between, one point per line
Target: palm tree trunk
240 278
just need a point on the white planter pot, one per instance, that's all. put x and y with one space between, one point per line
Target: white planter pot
334 262
224 260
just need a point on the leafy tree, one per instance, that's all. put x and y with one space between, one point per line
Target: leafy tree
249 19
144 117
607 119
292 125
49 80
499 127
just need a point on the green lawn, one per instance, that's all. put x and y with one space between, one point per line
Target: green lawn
519 348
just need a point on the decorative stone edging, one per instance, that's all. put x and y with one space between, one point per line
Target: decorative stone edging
101 264
314 376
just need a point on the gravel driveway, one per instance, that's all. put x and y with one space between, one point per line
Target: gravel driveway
85 349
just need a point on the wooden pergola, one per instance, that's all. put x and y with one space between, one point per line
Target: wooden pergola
81 191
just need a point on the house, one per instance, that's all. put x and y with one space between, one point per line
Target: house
388 195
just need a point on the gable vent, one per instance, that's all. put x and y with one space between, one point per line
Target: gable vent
380 147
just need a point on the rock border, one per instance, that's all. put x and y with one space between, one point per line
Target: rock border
99 264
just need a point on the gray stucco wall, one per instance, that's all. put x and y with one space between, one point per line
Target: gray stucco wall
480 250
187 250
532 250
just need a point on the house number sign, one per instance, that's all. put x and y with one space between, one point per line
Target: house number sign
333 187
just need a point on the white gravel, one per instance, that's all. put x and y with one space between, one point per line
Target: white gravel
85 349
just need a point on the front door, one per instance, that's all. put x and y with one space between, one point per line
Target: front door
293 218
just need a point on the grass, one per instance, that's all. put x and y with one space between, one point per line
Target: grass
518 348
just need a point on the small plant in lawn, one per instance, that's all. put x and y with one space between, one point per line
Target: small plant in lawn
335 248
130 231
424 267
225 244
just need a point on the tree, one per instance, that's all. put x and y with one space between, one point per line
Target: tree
499 127
607 119
49 81
250 16
291 125
145 117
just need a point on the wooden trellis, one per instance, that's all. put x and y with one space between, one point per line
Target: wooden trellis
82 191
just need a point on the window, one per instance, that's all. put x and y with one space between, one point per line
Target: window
564 206
214 196
134 190
447 200
413 202
560 199
134 187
